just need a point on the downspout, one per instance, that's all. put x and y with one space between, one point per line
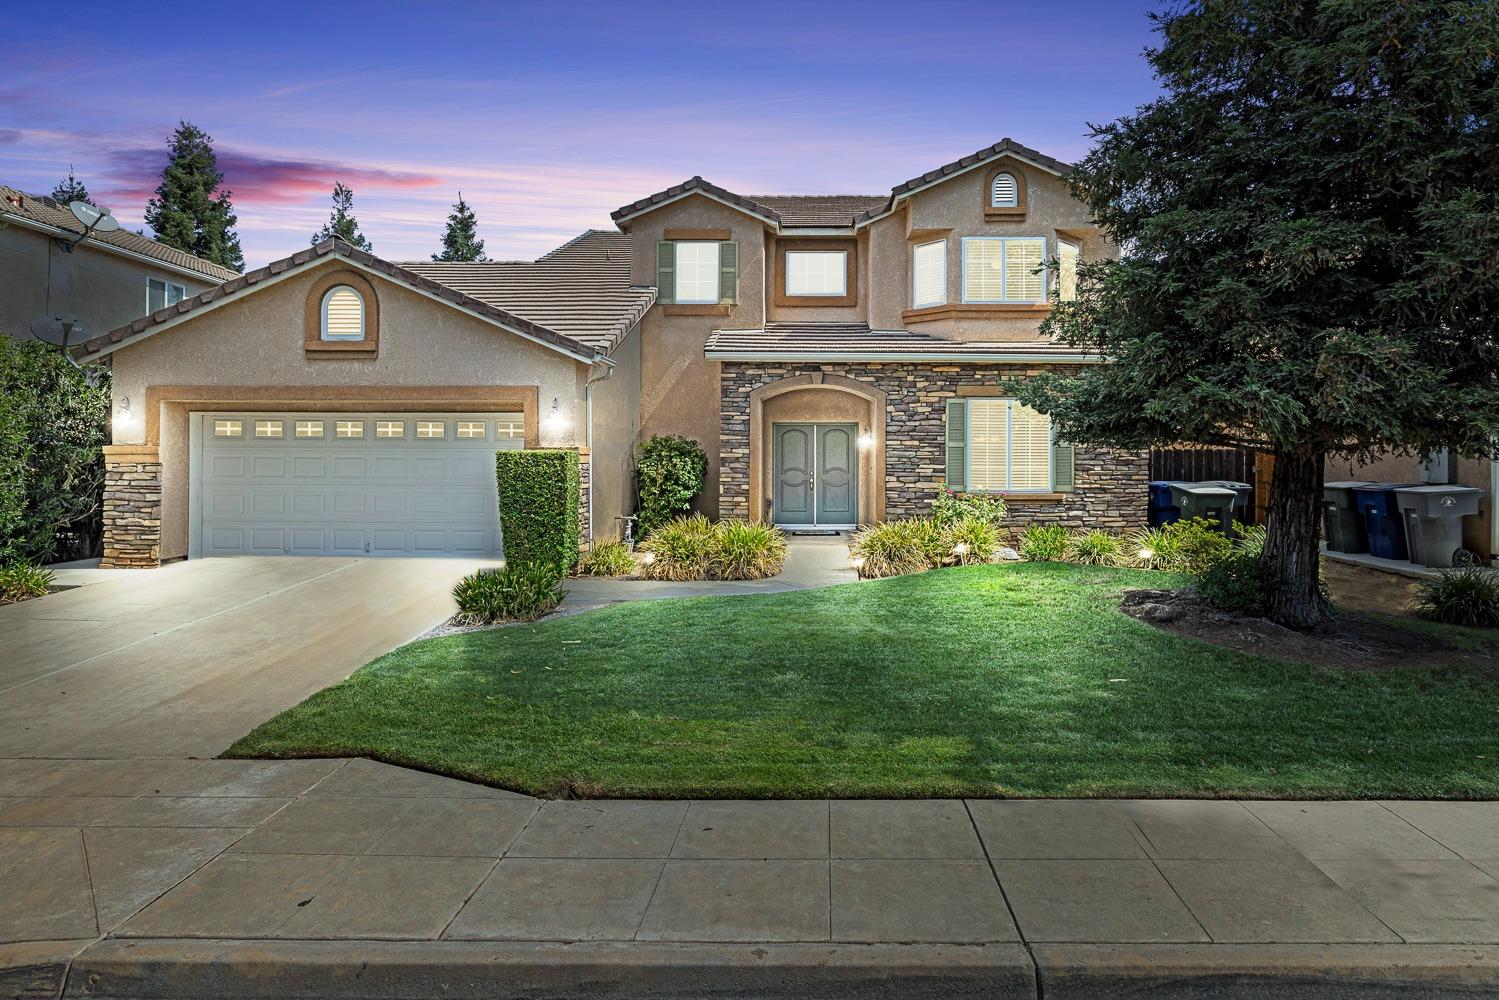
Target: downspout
588 419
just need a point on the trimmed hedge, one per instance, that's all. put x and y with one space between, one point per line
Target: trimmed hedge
539 493
669 472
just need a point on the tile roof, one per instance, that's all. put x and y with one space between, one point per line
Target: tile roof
249 281
687 187
794 341
1003 147
581 289
820 209
49 213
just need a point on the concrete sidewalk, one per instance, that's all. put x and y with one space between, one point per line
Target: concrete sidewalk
189 878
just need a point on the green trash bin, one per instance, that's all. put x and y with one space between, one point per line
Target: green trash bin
1341 521
1433 517
1206 500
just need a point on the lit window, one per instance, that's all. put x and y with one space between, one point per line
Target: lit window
510 425
1066 270
390 428
430 429
1009 447
270 429
348 428
470 428
1004 269
160 294
929 274
309 428
817 272
228 428
1004 193
697 273
343 314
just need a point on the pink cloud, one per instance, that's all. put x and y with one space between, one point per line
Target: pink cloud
259 179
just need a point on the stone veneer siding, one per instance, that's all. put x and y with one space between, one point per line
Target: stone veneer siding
585 487
1111 490
132 515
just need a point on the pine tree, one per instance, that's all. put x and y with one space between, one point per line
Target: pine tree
341 222
70 189
189 211
460 241
1311 210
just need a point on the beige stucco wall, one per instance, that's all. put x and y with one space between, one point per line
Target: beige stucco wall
257 341
678 387
108 290
816 404
616 428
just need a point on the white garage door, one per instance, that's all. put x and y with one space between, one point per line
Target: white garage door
381 484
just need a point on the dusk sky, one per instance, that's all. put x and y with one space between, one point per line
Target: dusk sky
546 115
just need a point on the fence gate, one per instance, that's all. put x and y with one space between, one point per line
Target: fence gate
1195 464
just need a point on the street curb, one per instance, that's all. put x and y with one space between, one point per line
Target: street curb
33 970
1265 971
413 970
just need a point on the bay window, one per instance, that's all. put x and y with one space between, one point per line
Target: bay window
1004 269
929 274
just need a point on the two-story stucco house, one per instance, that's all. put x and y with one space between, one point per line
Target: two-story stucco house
839 357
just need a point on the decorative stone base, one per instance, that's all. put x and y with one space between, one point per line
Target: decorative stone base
132 507
585 487
1111 490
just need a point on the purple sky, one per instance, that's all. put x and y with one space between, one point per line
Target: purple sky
547 116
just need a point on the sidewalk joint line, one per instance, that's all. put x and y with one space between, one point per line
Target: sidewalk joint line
1009 907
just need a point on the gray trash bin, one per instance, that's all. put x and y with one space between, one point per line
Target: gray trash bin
1206 500
1433 517
1243 501
1341 521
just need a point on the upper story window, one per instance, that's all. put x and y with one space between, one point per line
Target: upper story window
1004 192
929 274
817 272
1067 254
697 273
1004 269
342 314
160 294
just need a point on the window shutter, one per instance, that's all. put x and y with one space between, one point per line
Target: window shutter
728 272
666 272
1063 474
957 444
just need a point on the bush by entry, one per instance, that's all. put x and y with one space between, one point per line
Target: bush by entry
1019 679
539 492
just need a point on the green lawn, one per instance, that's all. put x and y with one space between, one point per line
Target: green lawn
987 680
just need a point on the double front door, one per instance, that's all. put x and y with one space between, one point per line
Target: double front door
816 475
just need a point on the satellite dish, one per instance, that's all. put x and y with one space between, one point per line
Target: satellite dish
94 219
60 329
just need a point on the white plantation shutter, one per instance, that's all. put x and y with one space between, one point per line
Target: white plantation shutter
988 444
343 314
982 265
1023 282
929 274
1030 449
1067 254
1004 193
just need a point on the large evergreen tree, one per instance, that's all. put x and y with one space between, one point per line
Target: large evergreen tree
189 211
460 240
341 222
70 189
1310 217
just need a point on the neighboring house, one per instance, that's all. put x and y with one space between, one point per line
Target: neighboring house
106 280
1480 533
838 357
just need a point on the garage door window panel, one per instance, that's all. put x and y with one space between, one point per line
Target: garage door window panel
228 428
348 428
270 429
309 428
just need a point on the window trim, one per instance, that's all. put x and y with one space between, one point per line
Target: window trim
1011 212
313 344
1003 242
1009 490
717 246
942 301
323 333
776 261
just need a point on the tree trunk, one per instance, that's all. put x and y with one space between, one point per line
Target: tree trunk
1292 560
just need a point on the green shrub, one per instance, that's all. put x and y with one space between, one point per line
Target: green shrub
893 548
539 491
1044 542
1235 583
608 558
21 581
973 540
1467 595
1094 548
1190 546
517 591
950 507
54 422
1251 538
669 472
745 551
680 549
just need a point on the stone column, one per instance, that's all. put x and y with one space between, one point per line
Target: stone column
585 490
132 507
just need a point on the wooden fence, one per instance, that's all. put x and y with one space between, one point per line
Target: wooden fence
1195 464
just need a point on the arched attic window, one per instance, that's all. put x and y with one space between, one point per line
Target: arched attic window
1004 192
342 314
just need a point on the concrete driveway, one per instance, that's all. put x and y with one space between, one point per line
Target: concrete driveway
183 660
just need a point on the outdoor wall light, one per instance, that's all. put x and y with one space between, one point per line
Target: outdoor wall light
866 441
556 420
124 419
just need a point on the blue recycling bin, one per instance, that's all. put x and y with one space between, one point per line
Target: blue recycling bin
1382 520
1163 509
